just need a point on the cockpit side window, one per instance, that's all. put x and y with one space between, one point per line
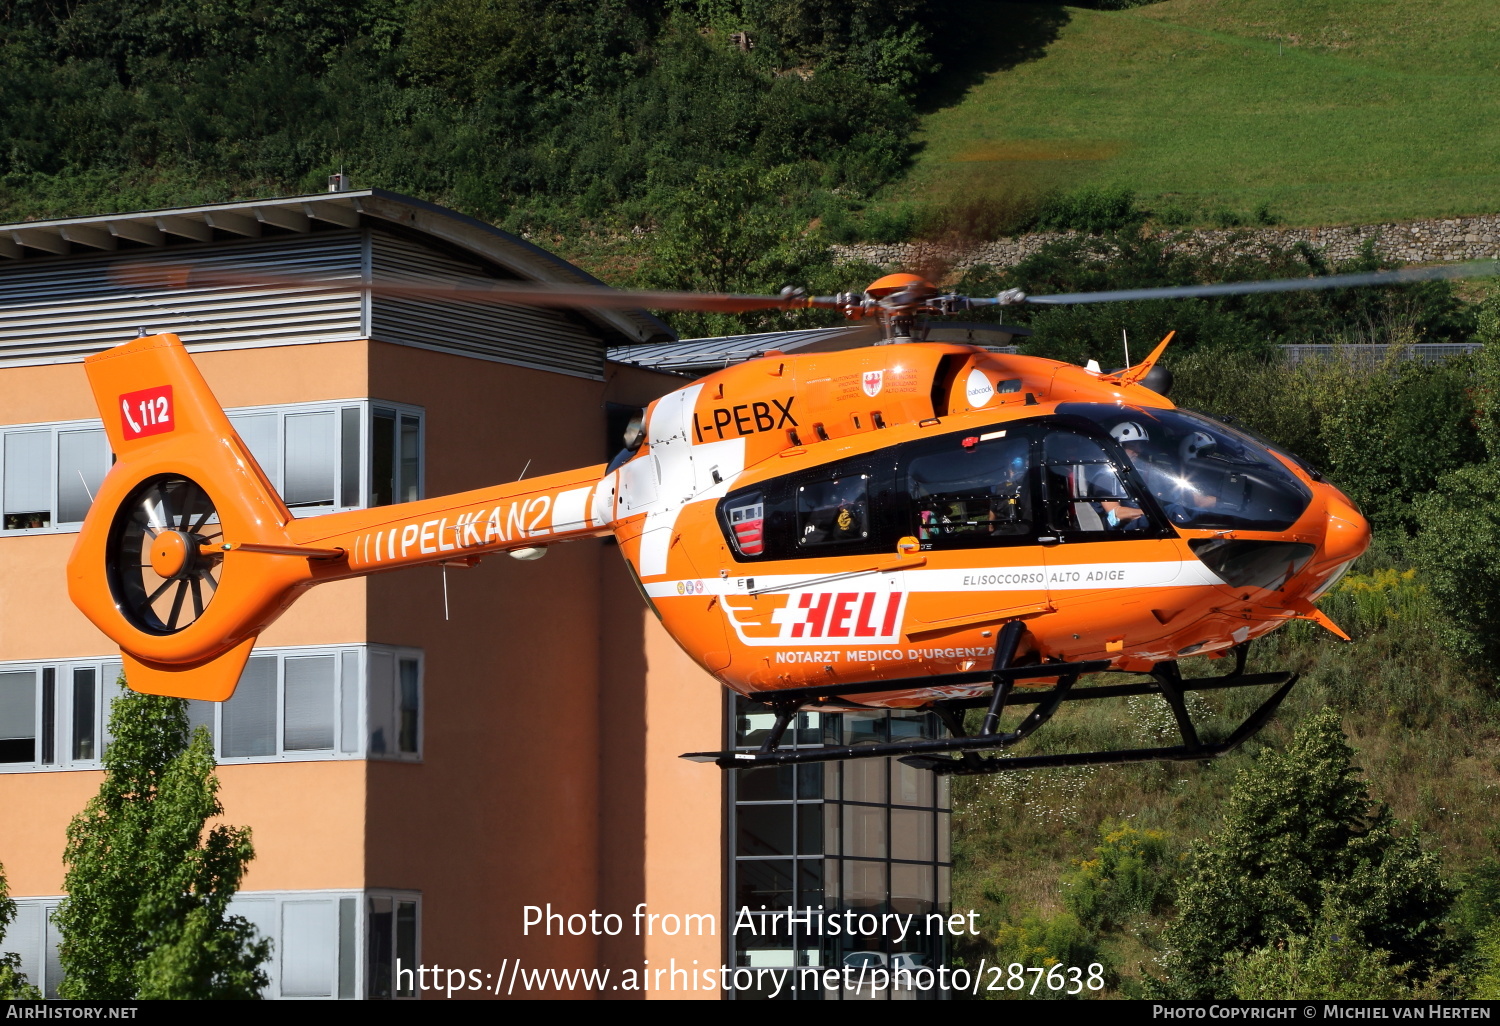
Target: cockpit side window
1087 495
973 492
1203 474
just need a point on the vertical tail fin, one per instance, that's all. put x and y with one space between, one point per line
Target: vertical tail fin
150 568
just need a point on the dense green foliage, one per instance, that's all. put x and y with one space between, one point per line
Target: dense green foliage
524 112
148 889
1129 875
13 983
1304 852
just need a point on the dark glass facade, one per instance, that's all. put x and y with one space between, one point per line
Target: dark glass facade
855 848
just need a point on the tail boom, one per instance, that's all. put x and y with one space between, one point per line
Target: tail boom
187 513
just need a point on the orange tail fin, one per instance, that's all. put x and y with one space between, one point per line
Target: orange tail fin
188 553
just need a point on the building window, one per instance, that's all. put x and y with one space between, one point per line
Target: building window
320 457
308 704
35 937
50 474
54 716
395 455
328 457
393 933
303 704
324 944
866 835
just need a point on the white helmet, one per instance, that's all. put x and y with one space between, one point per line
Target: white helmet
1197 444
1128 431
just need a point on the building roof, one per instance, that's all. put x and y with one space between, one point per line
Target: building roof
48 265
697 356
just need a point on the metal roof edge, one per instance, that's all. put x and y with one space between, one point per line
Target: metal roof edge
102 232
510 251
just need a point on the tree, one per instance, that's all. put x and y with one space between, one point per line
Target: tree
13 983
1460 518
728 232
148 890
1304 855
1326 965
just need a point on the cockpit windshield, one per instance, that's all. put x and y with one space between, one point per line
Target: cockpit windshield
1205 475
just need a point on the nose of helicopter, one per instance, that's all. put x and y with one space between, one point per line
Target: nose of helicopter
1345 538
1348 533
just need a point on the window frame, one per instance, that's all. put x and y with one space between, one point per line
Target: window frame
271 905
276 472
774 943
107 671
57 430
362 697
399 412
106 676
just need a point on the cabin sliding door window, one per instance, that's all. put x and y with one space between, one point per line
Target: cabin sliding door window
972 491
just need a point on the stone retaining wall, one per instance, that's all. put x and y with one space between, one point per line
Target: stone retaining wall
1416 242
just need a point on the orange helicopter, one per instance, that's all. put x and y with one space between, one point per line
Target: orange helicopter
905 525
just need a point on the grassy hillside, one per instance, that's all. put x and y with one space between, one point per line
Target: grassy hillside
1322 111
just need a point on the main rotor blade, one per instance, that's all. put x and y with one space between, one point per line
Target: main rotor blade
594 297
1473 269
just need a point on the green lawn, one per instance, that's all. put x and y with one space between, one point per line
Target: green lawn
1328 111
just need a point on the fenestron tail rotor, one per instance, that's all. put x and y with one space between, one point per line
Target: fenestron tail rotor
165 554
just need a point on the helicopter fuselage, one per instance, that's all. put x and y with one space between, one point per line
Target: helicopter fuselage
877 514
799 523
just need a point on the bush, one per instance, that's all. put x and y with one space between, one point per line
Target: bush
1091 209
1455 551
1035 941
1129 875
1303 847
1328 965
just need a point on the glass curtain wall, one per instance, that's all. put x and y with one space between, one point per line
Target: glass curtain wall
851 842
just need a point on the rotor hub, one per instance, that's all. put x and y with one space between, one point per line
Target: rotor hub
174 555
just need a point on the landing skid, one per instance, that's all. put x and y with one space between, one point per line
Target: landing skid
959 753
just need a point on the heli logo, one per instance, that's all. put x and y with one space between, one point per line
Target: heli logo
147 412
872 382
817 617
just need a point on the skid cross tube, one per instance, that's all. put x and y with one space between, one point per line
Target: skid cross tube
969 764
938 754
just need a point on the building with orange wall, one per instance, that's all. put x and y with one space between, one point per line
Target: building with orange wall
420 758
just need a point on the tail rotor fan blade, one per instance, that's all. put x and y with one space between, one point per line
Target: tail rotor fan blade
162 548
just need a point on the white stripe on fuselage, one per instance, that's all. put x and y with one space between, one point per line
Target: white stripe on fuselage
1067 577
684 473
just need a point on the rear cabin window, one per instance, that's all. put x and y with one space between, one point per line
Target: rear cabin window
973 495
843 510
832 513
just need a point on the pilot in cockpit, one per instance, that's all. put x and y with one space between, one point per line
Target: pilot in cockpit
1167 475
